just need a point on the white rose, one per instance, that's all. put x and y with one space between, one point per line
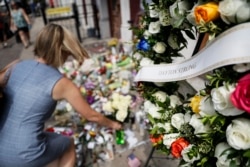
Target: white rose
147 104
126 99
166 126
164 18
232 11
174 100
168 139
191 18
146 61
197 124
179 8
221 155
115 96
159 47
206 107
123 106
222 102
244 67
115 104
185 155
121 115
187 117
146 34
177 120
238 134
153 11
154 27
137 56
160 96
108 107
152 109
243 14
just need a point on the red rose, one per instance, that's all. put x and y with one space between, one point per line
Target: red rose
155 139
241 95
177 146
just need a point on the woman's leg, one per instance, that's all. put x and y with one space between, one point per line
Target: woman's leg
53 163
27 33
23 38
68 159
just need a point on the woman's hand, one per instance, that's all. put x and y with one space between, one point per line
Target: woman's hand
116 125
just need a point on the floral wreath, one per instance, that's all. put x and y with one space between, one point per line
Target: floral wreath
210 127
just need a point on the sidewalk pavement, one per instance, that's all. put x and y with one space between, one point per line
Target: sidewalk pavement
16 50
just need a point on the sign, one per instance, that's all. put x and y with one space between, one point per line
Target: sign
58 10
230 47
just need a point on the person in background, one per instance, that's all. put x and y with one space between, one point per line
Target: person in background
4 26
31 89
21 21
32 6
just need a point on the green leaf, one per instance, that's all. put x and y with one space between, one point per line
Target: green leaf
203 161
178 23
247 154
151 119
154 130
190 34
213 119
233 164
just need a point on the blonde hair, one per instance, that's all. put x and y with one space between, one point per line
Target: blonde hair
55 43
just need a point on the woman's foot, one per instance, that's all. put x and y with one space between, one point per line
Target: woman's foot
26 46
5 45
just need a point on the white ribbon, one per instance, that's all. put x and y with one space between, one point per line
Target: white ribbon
230 47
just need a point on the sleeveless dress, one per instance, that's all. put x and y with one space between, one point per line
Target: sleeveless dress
28 104
18 19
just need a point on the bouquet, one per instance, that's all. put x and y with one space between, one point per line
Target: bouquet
118 106
207 127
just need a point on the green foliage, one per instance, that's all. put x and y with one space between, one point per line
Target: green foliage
173 33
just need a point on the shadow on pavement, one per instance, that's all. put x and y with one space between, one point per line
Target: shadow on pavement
11 52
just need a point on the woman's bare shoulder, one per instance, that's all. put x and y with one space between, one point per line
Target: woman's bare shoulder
63 87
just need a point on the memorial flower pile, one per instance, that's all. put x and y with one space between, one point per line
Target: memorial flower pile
118 106
104 82
210 126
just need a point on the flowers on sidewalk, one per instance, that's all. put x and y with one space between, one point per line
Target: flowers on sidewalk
208 127
118 106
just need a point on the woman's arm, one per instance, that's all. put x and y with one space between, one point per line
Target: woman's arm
66 89
3 77
26 17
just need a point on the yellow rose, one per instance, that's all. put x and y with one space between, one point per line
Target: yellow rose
207 12
195 103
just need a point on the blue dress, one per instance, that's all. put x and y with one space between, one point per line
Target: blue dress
28 104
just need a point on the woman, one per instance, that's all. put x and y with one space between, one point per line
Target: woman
31 89
4 26
21 22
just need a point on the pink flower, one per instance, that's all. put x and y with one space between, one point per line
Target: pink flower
241 95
